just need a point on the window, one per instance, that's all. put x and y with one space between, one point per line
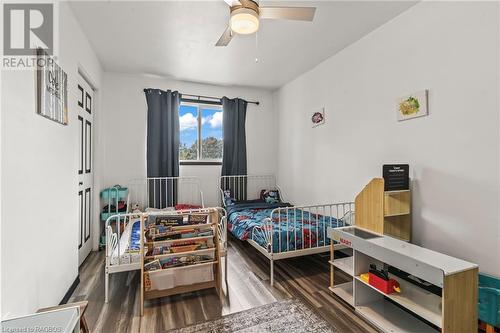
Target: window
201 133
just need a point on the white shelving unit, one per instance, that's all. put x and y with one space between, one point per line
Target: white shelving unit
414 309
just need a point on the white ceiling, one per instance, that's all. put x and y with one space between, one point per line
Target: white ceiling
176 39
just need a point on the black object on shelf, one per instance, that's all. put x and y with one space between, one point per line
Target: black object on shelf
416 281
396 177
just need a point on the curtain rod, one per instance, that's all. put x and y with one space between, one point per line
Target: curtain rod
198 98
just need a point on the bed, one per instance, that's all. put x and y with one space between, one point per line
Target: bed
278 229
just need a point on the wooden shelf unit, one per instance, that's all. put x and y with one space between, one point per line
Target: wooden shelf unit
455 311
212 224
384 212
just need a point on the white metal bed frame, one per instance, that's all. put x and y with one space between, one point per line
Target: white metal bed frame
249 187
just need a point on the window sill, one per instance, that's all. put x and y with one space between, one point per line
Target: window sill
200 163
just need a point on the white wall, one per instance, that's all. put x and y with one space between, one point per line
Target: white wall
39 248
450 48
123 148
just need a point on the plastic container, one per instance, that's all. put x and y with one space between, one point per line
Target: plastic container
116 193
385 286
489 299
181 276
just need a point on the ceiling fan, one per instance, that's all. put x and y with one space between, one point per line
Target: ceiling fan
245 16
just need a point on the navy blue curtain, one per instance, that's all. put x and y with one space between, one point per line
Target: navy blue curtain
163 137
234 152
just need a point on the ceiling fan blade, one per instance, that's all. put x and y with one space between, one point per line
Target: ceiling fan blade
288 13
226 37
232 3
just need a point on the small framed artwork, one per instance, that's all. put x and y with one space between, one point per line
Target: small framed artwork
51 89
412 106
318 117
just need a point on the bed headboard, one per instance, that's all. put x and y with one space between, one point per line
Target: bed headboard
163 192
246 187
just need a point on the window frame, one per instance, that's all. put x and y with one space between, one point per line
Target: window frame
199 106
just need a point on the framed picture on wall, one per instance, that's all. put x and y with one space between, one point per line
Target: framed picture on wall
51 89
412 106
318 117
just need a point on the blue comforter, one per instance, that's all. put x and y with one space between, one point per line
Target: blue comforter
296 230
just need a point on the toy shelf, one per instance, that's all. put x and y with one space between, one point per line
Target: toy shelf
413 309
200 270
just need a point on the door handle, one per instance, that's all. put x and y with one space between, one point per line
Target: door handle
80 183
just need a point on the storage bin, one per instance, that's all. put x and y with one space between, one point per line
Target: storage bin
116 193
489 299
162 279
194 274
181 276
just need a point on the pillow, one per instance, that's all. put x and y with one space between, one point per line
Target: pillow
270 196
228 200
181 206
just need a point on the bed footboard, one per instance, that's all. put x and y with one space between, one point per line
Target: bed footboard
300 230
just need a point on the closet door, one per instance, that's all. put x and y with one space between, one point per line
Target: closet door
85 107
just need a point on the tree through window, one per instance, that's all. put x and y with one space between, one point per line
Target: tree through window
200 132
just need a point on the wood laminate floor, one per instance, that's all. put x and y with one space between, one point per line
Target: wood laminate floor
248 286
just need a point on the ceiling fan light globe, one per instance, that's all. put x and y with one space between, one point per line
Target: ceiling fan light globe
244 21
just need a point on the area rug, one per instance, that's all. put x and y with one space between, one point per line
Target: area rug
290 316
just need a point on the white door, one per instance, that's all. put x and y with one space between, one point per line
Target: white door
85 170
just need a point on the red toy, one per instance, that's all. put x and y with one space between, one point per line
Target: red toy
380 279
385 286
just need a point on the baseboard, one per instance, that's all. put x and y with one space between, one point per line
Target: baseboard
70 291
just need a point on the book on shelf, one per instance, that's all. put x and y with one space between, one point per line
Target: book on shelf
160 233
197 218
186 260
170 220
180 247
152 265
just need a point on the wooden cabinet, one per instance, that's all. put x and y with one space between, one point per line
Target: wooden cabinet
385 212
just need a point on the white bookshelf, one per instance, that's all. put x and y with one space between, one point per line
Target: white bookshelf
414 309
